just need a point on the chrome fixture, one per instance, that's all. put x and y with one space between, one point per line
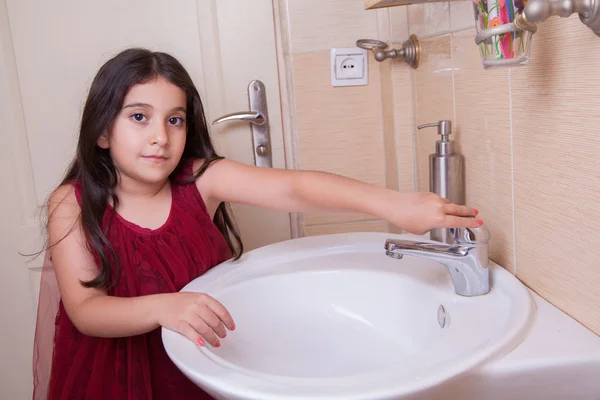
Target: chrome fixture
258 117
446 174
410 51
442 316
466 259
535 12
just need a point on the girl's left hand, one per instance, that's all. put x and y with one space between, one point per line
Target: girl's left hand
420 212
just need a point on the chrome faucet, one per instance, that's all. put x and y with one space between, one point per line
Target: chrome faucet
466 259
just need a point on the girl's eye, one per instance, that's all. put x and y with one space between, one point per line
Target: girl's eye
176 121
139 117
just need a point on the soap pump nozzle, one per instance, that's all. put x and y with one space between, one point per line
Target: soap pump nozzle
445 146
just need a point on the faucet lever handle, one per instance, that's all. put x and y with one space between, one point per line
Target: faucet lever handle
480 235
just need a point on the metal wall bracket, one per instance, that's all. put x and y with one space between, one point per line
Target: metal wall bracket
537 11
410 51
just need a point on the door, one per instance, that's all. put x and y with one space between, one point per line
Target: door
49 53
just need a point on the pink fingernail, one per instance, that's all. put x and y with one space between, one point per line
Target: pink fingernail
232 327
200 342
476 211
480 222
218 344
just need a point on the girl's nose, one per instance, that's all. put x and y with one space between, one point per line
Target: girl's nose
160 137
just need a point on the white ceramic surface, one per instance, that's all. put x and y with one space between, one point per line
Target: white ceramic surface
559 359
332 317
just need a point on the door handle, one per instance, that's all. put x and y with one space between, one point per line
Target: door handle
258 118
254 118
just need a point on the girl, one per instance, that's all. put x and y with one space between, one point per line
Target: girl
143 210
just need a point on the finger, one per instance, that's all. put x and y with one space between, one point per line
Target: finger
446 200
202 328
464 211
220 312
213 321
461 222
189 332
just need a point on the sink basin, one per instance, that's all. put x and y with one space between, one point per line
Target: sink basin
332 317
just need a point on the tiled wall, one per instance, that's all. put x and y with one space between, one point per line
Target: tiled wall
352 131
531 143
529 134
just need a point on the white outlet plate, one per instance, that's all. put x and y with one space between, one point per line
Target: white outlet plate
349 67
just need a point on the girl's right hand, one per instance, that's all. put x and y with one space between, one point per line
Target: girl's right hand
197 316
419 212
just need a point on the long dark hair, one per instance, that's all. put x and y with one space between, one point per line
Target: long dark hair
93 167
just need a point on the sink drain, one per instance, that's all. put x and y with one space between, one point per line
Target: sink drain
442 317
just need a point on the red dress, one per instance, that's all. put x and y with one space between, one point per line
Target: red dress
151 261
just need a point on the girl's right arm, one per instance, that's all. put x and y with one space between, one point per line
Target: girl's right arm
95 313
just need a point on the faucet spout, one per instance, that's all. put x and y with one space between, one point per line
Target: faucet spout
467 259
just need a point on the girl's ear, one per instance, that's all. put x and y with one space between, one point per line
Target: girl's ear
103 141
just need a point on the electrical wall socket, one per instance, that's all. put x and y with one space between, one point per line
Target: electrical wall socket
349 67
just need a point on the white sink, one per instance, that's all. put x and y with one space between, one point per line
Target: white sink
332 317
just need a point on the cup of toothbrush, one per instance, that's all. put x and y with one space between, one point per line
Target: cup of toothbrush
501 43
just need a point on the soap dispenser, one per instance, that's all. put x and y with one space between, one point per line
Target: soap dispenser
446 174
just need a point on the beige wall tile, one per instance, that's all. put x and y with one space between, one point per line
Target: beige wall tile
482 130
389 129
433 98
333 218
399 23
429 19
317 25
388 115
384 28
404 126
556 113
366 226
461 15
340 129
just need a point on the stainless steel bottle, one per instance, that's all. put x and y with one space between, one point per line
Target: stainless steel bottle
446 173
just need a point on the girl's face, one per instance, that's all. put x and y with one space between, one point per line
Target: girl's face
147 138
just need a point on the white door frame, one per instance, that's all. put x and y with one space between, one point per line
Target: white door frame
288 104
212 76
